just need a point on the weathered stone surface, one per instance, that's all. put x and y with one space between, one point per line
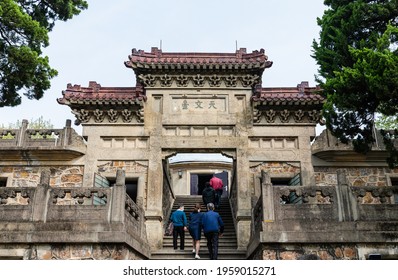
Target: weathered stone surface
269 255
205 107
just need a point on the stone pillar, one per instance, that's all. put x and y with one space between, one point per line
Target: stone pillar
154 211
117 206
41 198
243 215
154 208
307 169
140 191
22 133
93 153
347 204
67 133
267 194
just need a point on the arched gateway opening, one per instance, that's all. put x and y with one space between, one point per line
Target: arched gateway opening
190 172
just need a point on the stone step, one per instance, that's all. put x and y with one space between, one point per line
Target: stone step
223 254
223 242
227 243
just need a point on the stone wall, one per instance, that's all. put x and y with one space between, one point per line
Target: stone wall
276 168
364 177
301 251
69 252
323 251
356 176
128 166
29 176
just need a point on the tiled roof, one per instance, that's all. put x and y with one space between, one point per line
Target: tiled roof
95 94
156 59
302 94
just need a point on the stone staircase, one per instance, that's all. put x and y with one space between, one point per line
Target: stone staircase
227 243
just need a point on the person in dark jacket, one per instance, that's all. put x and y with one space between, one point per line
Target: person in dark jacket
213 228
180 223
208 194
195 229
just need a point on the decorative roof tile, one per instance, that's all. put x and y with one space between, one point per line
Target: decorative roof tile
95 94
256 60
302 94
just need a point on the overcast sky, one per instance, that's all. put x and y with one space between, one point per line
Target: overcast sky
94 45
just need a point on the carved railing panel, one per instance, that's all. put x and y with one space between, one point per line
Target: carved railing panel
307 195
305 203
135 219
24 137
132 208
375 195
8 134
16 196
258 218
79 196
16 204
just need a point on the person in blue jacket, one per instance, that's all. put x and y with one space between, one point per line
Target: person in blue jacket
213 228
195 229
180 223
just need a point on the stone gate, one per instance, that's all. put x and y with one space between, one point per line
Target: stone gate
197 103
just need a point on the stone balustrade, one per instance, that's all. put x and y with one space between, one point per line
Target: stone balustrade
44 214
24 137
323 203
307 215
41 144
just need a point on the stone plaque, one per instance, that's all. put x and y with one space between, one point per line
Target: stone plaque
190 104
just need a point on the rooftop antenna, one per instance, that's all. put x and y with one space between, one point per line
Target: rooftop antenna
236 45
160 44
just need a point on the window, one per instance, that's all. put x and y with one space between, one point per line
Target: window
106 182
131 189
100 181
394 183
280 181
287 181
3 182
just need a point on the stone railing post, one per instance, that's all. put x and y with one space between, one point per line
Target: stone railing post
267 194
22 133
347 204
67 133
117 205
41 198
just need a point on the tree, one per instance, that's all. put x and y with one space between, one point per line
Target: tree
358 69
39 123
387 122
24 27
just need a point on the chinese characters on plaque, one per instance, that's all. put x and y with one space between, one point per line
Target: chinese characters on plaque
198 104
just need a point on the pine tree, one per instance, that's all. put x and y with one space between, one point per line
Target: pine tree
24 27
358 69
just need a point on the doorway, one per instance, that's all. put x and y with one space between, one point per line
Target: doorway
198 180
